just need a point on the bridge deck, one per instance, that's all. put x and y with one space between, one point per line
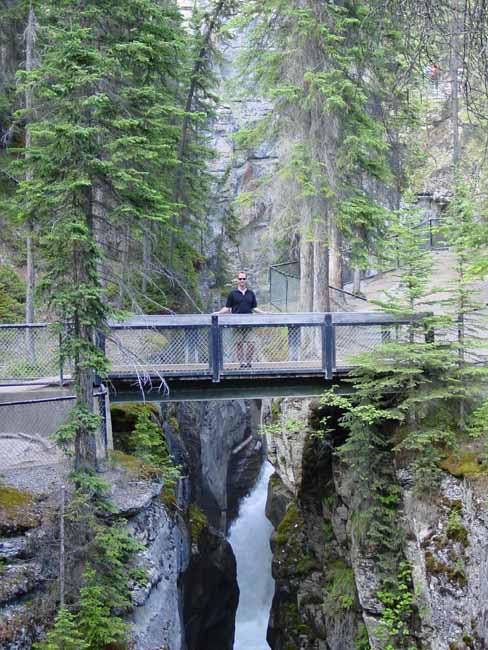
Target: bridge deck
205 347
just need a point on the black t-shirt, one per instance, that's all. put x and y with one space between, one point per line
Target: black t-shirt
241 303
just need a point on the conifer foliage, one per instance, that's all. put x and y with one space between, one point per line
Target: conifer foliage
104 142
331 71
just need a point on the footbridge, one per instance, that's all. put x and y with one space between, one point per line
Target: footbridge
217 352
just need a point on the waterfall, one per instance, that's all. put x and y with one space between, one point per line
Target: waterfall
249 537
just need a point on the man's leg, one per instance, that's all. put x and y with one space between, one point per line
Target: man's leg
249 338
240 346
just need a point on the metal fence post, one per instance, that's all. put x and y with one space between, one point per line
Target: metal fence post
328 346
215 349
61 360
100 341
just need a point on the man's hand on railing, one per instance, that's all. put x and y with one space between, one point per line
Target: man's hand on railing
224 310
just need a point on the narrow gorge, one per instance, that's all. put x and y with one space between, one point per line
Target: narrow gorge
323 590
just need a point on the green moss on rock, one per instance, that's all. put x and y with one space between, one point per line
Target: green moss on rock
198 522
467 465
135 466
454 573
455 530
168 499
17 511
291 621
340 590
289 524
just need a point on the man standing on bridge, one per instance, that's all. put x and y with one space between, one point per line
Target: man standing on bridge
242 300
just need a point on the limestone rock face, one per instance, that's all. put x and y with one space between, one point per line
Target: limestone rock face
217 444
327 582
26 567
447 547
286 448
156 619
308 560
30 565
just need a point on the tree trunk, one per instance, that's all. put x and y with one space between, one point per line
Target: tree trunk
335 258
146 256
306 270
356 282
321 296
29 37
101 232
454 74
84 336
124 263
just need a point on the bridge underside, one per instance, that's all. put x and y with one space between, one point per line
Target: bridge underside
259 387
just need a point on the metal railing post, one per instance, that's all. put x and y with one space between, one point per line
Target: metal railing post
328 346
61 360
216 349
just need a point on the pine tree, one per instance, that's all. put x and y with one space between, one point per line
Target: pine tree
464 233
106 129
64 635
326 68
97 623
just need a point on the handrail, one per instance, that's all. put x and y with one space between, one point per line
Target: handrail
236 320
185 336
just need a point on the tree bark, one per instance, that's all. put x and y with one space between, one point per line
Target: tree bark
454 74
321 254
84 336
306 269
146 256
29 37
335 263
356 282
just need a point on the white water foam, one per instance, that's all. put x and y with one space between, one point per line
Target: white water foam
249 537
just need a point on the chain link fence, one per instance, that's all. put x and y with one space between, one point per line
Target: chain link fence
210 346
27 429
284 286
284 282
29 353
272 348
165 350
351 340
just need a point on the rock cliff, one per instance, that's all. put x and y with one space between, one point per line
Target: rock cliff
189 596
218 446
326 580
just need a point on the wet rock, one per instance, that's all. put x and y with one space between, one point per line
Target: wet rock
211 594
13 547
203 437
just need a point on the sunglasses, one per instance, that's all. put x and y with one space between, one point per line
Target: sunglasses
241 278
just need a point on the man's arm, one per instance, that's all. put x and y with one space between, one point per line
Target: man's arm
224 310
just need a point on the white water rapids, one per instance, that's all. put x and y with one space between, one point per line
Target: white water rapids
249 537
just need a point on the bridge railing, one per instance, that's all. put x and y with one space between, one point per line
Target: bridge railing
207 346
